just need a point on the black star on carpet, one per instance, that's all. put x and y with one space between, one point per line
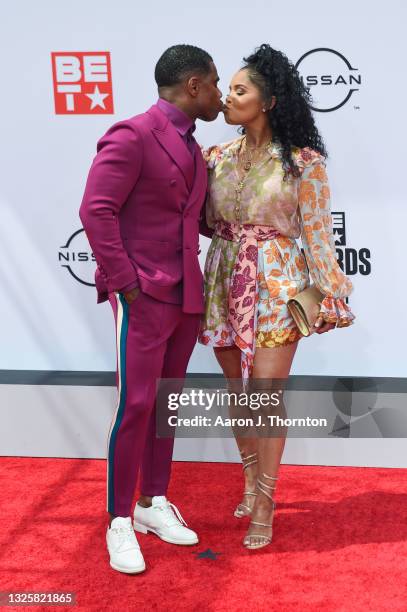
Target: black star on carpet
207 554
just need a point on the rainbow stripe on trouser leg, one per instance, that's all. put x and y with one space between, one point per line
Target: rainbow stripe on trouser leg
154 341
122 326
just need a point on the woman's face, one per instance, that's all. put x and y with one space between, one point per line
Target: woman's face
244 102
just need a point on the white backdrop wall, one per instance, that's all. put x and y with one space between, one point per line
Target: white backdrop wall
50 320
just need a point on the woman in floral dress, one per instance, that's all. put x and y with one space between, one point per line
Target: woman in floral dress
267 188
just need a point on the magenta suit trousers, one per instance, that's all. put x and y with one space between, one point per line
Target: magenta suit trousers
154 341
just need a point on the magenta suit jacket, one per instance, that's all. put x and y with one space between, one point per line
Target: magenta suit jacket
142 209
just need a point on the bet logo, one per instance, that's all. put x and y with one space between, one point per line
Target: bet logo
82 83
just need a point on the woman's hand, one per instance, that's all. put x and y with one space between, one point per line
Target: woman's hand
322 326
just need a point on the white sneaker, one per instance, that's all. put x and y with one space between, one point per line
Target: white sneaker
161 519
124 550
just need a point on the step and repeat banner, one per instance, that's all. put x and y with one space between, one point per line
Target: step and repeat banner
70 71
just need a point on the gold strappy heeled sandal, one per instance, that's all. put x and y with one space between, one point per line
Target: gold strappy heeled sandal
244 509
254 541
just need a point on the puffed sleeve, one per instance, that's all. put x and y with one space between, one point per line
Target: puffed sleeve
211 157
318 239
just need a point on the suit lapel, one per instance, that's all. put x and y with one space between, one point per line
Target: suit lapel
171 141
201 178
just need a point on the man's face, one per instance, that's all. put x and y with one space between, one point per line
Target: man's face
209 102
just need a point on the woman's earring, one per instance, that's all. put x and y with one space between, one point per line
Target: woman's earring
264 110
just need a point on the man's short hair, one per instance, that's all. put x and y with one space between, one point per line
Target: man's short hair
180 61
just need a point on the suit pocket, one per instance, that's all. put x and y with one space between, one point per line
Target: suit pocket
159 262
146 315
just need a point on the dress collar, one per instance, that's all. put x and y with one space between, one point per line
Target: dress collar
274 148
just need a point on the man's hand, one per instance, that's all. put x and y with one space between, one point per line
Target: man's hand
130 296
322 326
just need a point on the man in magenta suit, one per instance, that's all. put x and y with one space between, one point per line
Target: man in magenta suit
142 211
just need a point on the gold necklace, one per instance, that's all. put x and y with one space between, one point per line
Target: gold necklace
245 162
247 155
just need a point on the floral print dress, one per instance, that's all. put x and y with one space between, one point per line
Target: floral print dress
253 267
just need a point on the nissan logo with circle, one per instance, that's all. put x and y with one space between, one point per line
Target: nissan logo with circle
330 78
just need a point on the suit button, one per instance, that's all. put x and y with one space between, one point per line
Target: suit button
173 182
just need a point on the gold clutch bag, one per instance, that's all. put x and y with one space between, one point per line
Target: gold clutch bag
304 309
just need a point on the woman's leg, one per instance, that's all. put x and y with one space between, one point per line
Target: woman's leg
269 364
229 360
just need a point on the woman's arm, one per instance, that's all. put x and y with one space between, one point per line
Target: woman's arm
207 223
319 244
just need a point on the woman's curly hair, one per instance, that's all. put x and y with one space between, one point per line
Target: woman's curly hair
291 119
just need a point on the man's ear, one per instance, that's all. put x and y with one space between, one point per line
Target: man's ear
192 86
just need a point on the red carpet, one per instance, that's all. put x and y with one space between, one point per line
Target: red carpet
340 540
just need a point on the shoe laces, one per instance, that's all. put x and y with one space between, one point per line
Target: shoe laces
126 537
171 514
